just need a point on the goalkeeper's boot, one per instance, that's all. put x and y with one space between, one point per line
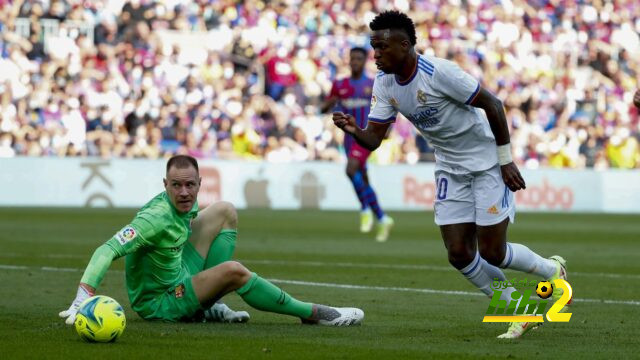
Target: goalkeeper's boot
561 273
332 316
384 227
366 220
220 312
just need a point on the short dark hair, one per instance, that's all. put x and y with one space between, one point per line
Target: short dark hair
359 49
394 19
182 162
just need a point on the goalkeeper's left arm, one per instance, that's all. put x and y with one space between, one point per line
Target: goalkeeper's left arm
93 275
126 241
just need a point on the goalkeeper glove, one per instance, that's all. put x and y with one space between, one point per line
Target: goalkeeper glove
70 314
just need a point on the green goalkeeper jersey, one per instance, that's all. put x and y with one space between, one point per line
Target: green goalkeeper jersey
153 244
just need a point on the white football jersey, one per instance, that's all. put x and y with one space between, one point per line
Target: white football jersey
436 100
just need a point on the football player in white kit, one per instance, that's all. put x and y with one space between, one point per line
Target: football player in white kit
475 175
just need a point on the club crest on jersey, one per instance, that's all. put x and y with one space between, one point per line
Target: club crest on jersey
394 102
126 234
179 291
422 97
374 101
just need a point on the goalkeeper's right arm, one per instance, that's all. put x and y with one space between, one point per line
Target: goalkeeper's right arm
93 274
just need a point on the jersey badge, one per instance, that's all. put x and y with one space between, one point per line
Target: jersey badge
394 102
179 291
374 101
422 97
493 210
126 234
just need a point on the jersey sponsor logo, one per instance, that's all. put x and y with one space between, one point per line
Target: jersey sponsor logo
374 101
422 97
425 119
355 103
126 234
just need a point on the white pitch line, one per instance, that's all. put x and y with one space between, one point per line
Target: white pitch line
338 264
407 267
344 265
340 286
429 291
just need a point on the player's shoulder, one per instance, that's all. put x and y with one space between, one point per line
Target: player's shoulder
341 81
437 64
157 211
383 79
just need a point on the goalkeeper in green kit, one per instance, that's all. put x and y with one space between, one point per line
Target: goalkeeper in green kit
178 262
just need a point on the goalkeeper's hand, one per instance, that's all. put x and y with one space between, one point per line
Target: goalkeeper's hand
84 292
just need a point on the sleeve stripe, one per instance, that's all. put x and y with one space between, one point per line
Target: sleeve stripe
473 96
427 70
383 121
426 63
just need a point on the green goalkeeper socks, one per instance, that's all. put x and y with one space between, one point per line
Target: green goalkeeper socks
222 248
263 295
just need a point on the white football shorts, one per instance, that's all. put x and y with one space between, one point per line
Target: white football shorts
478 197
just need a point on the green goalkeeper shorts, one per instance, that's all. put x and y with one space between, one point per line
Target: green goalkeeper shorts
179 302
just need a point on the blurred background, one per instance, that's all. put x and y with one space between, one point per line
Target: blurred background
243 79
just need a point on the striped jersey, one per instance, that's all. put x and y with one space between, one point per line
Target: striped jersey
354 98
435 99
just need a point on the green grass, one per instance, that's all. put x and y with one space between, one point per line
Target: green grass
325 247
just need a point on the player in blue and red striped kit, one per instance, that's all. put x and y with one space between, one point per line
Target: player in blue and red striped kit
352 96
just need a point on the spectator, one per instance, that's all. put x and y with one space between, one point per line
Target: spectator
242 79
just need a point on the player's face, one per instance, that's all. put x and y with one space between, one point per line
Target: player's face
182 186
356 61
390 50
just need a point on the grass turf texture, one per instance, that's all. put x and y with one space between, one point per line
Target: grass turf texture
602 251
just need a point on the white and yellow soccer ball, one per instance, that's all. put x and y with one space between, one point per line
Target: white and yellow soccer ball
100 319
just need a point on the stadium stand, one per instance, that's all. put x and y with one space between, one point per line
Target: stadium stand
243 79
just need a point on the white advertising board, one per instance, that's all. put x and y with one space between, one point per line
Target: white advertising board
90 182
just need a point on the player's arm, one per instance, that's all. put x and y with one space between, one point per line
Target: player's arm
492 106
381 115
331 100
328 103
370 137
126 241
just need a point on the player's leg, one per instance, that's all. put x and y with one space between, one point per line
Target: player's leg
455 214
211 284
359 186
495 208
214 233
213 239
358 157
494 211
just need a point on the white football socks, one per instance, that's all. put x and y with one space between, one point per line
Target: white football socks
481 274
520 257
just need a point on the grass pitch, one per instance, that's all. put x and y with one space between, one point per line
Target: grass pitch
320 257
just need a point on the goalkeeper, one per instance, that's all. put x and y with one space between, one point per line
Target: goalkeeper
178 262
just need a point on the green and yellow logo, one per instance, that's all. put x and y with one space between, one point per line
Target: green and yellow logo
522 308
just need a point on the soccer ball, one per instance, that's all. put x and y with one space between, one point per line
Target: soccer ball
544 289
100 319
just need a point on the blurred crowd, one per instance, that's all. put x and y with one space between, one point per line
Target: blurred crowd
232 79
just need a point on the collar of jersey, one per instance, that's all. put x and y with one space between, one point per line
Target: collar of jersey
191 214
408 81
